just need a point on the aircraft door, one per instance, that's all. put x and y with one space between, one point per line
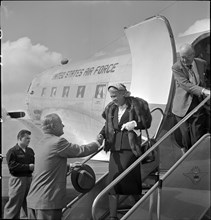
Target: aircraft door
153 54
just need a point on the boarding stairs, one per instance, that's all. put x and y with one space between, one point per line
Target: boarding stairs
183 192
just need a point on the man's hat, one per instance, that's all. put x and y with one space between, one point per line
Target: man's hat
83 178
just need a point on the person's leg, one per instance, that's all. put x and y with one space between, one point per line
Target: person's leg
31 214
207 116
185 134
26 186
16 197
136 198
114 166
113 205
198 126
49 214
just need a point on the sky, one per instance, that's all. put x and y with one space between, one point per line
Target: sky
37 35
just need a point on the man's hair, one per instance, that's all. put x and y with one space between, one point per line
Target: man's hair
49 121
22 133
187 47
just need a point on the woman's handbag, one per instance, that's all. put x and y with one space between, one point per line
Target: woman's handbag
146 146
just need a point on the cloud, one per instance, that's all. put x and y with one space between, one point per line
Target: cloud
22 61
198 26
120 45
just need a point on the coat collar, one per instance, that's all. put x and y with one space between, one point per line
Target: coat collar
17 147
124 118
194 66
183 68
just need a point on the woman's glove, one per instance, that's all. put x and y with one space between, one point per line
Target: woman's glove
129 125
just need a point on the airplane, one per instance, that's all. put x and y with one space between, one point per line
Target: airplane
78 93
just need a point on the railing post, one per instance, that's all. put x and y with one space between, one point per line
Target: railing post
151 203
160 184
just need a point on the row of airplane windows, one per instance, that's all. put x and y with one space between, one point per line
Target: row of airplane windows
100 91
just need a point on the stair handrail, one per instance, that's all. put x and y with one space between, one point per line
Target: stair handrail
158 184
92 155
158 127
132 166
87 159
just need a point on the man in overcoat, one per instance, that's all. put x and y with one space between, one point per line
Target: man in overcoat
189 75
46 196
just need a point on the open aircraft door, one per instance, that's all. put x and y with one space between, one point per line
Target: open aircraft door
153 53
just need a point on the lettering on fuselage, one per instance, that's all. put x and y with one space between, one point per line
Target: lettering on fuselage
104 69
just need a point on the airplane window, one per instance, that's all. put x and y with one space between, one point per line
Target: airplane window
80 91
66 90
53 91
100 92
43 92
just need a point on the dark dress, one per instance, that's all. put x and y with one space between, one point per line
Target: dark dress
121 158
130 184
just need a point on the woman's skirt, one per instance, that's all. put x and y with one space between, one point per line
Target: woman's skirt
131 184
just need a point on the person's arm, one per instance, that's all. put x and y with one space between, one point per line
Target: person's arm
32 159
142 117
184 82
205 92
67 149
32 156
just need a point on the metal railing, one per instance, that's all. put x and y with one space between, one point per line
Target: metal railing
132 166
158 184
162 115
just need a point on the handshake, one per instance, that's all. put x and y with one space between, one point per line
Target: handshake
100 139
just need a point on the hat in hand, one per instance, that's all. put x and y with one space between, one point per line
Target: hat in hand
83 178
